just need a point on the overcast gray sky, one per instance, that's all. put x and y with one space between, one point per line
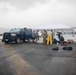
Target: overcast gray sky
28 13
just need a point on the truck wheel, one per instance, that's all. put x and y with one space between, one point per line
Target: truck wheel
6 42
17 41
24 40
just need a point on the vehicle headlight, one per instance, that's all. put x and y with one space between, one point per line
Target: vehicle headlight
13 34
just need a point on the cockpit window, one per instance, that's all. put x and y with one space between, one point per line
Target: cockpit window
15 30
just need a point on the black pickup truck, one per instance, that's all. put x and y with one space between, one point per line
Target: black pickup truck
17 34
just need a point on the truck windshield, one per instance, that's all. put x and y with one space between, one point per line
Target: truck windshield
15 30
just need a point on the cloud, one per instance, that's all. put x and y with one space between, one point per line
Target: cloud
28 13
26 18
5 8
24 4
67 1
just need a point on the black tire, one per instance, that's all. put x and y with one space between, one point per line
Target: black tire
24 40
17 41
55 48
6 42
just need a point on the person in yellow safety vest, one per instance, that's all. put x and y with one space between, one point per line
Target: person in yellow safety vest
49 37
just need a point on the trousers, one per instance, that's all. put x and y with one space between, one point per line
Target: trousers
49 40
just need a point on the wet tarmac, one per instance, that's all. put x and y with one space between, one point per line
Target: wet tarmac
36 59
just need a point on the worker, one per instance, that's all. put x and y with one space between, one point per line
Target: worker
37 36
49 37
33 36
61 39
59 35
44 35
52 35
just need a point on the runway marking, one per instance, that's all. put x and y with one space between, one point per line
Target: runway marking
18 64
